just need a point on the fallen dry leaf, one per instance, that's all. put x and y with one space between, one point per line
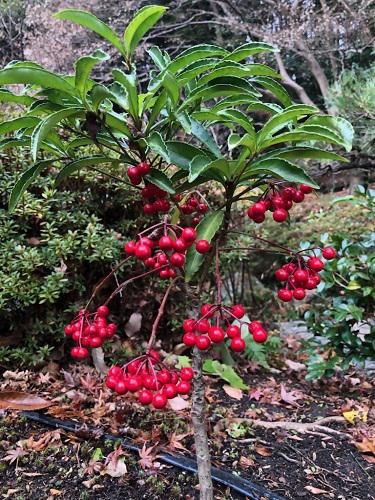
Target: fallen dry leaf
255 394
22 401
295 366
178 403
264 452
55 493
245 462
369 459
367 445
175 441
315 491
148 457
233 392
288 397
116 469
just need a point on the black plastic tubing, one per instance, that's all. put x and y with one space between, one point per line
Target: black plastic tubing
247 488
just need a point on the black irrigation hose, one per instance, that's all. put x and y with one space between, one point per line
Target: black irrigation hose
243 486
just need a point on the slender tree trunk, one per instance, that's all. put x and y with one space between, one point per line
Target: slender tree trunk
200 430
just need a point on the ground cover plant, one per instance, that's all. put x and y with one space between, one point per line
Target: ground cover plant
159 139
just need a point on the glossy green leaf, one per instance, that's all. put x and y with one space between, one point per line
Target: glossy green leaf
275 88
181 153
238 70
78 143
91 22
74 166
35 76
117 122
24 182
247 140
210 92
161 60
13 143
303 135
142 22
338 125
193 54
46 125
160 179
18 123
201 164
249 49
206 230
156 143
240 118
279 167
302 152
196 68
129 81
7 96
84 66
98 94
172 87
282 120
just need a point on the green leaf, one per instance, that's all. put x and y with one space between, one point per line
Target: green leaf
35 76
24 182
196 68
206 230
304 134
143 21
193 127
228 68
240 118
129 81
201 164
172 87
84 66
157 144
117 122
225 372
13 143
159 178
248 50
301 152
283 119
160 60
7 96
181 153
247 140
280 168
338 125
275 87
18 123
220 90
98 94
193 54
46 125
77 143
94 24
74 166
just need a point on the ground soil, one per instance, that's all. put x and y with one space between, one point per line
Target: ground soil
290 464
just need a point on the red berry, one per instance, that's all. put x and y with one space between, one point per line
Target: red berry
301 276
299 294
280 215
186 373
164 274
188 325
69 330
315 264
159 401
298 196
329 253
145 397
142 251
111 382
237 344
96 342
130 247
162 258
170 391
207 310
186 209
202 246
149 382
121 387
178 259
183 387
188 234
281 274
143 168
238 311
278 202
260 335
133 384
102 311
202 208
115 371
202 326
179 245
134 175
216 334
203 342
166 243
164 376
189 339
133 366
154 355
233 331
259 208
285 295
305 189
254 326
310 284
287 193
149 208
150 262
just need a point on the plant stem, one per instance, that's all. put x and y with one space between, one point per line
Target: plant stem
200 430
159 315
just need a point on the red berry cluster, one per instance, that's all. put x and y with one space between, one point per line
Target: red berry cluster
168 252
89 330
151 381
137 172
300 275
155 200
192 206
203 332
279 202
